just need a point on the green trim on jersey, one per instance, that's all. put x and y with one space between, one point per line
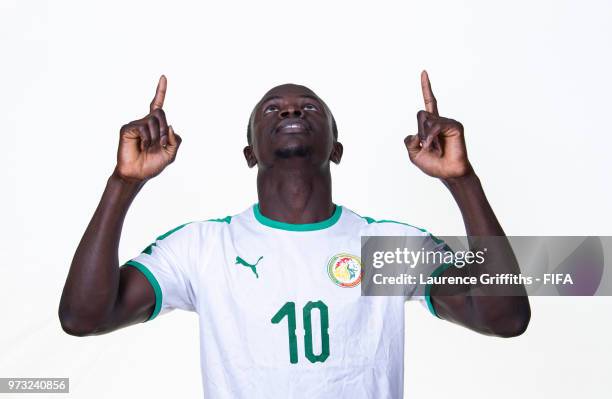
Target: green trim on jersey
297 227
439 270
149 249
153 281
371 220
227 219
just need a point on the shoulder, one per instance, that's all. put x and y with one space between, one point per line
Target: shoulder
383 226
196 228
212 225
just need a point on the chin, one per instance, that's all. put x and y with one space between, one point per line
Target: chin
293 151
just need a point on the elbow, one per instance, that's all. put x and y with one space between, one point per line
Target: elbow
504 317
74 329
513 325
75 326
513 329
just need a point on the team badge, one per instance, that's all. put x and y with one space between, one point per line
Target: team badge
345 270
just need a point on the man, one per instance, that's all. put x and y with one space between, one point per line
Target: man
275 286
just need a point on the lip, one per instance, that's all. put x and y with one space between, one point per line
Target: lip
292 125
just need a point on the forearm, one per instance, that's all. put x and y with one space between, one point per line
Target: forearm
478 216
483 229
92 284
491 308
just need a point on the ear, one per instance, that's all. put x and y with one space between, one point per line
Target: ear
249 155
336 154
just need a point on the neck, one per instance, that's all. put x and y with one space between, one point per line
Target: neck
295 196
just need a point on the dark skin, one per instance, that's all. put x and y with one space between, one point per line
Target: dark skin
293 179
292 145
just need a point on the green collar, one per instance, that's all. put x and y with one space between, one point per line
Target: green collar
297 227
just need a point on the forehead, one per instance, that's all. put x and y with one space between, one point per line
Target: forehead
288 90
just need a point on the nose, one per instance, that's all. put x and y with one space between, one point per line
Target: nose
291 112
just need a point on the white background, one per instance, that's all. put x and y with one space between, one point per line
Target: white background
529 80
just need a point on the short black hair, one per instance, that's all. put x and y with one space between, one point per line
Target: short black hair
334 125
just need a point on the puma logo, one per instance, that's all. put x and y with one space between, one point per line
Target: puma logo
240 261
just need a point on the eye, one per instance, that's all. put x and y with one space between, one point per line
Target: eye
270 108
310 107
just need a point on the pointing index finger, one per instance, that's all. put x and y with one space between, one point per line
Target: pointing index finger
160 94
431 105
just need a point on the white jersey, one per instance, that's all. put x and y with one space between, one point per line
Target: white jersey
280 308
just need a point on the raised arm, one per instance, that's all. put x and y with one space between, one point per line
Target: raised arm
439 150
98 296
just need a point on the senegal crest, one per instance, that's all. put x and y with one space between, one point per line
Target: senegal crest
344 270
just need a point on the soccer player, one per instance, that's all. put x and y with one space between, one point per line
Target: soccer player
276 287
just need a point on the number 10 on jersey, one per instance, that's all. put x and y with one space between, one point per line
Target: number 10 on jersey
288 310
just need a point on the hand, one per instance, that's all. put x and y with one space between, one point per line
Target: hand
147 145
439 147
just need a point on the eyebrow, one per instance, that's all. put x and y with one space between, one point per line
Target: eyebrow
269 98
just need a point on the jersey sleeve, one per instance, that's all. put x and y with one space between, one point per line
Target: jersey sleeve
432 244
418 239
169 264
427 243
